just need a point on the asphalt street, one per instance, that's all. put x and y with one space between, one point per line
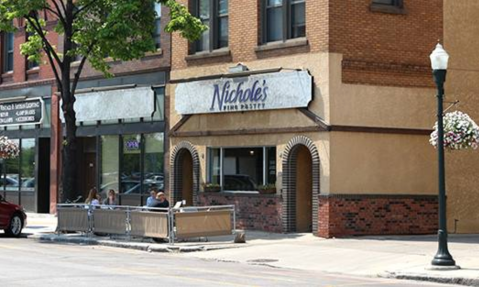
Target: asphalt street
24 262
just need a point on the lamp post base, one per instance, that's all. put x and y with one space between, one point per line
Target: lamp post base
443 268
443 257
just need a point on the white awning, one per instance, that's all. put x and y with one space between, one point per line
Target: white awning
115 104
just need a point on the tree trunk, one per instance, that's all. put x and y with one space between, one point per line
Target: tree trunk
70 150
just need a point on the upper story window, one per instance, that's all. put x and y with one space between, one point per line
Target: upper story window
8 39
214 14
388 2
31 64
388 6
157 33
283 19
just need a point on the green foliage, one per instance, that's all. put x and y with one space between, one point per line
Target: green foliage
118 29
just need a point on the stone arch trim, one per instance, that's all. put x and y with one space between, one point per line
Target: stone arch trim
289 182
176 171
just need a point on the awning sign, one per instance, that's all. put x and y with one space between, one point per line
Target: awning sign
283 90
26 112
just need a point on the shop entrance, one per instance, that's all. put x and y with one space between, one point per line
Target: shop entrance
304 190
185 166
43 175
301 172
187 174
88 166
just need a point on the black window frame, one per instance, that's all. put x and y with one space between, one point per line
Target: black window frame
266 168
214 24
287 26
6 53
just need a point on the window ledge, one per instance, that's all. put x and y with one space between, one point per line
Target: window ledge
7 74
35 70
207 55
389 9
290 43
158 52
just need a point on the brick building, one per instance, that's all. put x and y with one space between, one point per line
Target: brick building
121 124
328 102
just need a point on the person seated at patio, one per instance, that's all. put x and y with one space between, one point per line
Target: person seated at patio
93 197
150 201
161 201
111 199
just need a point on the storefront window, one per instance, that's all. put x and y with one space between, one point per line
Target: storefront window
28 165
131 157
110 164
12 171
154 159
243 169
27 173
130 188
215 165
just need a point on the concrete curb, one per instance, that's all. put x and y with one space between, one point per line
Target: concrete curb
149 247
430 278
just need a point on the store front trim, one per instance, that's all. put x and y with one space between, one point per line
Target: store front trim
185 176
301 188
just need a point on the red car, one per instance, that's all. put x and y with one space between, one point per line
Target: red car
12 218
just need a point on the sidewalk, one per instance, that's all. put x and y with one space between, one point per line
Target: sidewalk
401 257
40 223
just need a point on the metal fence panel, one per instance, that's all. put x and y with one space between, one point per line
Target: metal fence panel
110 221
73 219
149 224
203 223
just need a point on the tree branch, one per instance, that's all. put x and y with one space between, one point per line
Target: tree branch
80 68
58 6
59 13
83 8
54 13
42 35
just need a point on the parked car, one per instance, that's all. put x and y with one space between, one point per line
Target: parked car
9 183
12 218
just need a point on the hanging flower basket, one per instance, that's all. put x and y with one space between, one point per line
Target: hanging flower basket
8 148
460 132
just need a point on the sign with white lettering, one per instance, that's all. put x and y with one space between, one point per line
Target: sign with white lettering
283 90
26 112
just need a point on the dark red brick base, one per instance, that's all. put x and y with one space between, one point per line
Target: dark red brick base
349 215
339 215
253 212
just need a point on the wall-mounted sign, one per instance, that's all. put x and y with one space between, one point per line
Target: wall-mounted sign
281 90
132 144
25 112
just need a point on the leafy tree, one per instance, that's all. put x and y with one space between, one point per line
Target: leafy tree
89 30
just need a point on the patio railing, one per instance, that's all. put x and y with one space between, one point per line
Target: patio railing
134 221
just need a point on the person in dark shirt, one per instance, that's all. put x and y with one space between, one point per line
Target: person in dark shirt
161 201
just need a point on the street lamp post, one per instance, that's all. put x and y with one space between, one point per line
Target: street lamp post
439 62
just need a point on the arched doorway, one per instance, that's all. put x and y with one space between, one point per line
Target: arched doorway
185 167
301 168
304 190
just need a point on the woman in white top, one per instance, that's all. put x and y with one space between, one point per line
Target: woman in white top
93 198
